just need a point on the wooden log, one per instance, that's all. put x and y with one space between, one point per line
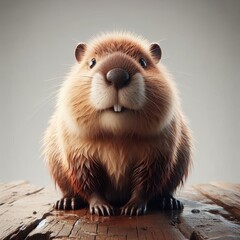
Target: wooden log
203 219
22 212
13 192
234 188
28 214
151 226
222 197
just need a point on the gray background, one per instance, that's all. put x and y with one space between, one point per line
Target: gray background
200 41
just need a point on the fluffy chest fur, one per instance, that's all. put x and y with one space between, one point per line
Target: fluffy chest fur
118 158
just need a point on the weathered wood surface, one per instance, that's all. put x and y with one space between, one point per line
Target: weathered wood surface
222 195
211 212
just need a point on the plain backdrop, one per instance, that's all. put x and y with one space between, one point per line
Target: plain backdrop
200 41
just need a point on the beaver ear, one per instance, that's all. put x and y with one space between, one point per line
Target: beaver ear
156 52
80 50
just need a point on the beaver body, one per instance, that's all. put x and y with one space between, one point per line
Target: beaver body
118 137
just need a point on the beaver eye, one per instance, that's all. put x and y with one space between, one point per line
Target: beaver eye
92 63
143 62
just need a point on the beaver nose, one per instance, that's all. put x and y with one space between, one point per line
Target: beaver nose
118 77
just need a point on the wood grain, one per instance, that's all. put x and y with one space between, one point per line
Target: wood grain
203 218
223 197
22 211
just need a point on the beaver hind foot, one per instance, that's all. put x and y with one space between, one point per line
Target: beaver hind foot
166 203
172 203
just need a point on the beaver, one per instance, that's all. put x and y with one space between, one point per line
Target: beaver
118 138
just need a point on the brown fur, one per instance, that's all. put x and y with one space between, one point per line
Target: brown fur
145 153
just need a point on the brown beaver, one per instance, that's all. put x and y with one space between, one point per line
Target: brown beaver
118 137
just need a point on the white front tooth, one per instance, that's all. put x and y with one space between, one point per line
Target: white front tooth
119 108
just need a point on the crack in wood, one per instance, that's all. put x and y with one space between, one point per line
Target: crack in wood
72 228
197 236
23 231
25 195
37 191
57 234
137 232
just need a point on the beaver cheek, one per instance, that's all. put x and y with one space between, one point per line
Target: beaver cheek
102 96
134 95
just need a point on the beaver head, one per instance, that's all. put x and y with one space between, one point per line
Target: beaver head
117 87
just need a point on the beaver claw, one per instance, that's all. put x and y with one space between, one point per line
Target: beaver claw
139 207
166 203
101 210
134 208
100 207
69 203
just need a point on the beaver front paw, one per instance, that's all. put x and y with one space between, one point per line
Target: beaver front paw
99 206
69 203
134 207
